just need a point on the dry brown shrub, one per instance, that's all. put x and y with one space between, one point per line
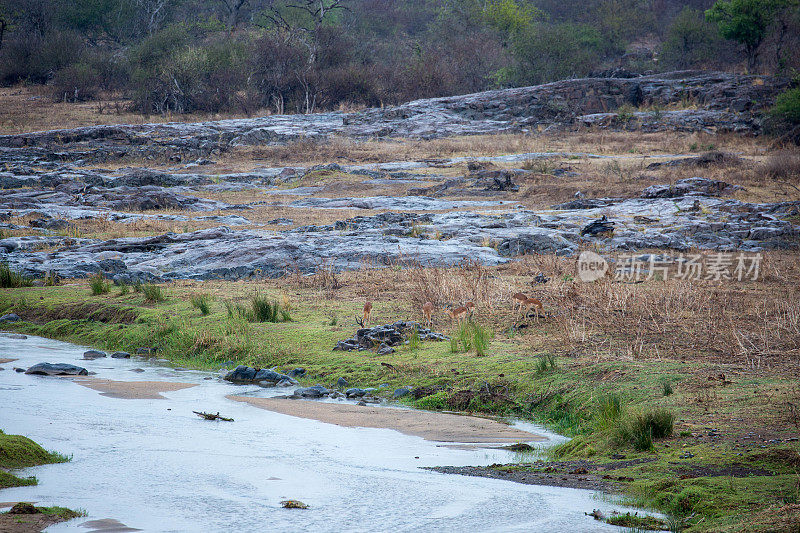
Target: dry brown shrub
783 165
452 286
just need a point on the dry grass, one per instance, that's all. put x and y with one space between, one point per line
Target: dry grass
25 109
752 324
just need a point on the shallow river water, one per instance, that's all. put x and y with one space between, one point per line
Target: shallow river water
154 465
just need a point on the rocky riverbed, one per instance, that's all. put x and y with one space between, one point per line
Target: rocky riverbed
230 223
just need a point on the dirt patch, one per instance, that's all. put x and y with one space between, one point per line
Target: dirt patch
27 523
133 390
4 361
577 474
440 427
733 470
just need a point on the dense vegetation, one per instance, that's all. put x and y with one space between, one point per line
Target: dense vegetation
246 55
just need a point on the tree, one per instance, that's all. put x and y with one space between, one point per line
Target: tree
304 21
746 21
690 40
2 29
233 7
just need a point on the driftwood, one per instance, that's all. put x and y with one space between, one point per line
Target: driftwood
209 416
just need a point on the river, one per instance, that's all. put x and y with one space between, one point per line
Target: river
152 464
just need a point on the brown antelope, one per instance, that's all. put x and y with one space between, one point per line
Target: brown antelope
471 308
531 302
458 313
367 314
427 312
518 299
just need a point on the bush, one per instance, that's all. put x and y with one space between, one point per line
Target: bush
784 116
235 310
639 430
202 302
123 288
265 310
545 363
783 165
666 388
609 409
433 402
11 279
99 284
152 293
471 336
75 83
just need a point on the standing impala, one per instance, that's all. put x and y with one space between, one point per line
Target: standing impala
427 313
531 302
367 313
518 299
458 313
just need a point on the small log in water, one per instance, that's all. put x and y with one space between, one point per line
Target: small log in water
210 416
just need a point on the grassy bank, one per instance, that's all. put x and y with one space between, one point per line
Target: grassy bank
685 394
16 452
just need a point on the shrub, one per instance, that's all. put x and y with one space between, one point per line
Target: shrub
414 341
10 278
471 336
787 106
235 310
783 165
152 293
545 363
666 388
76 83
265 310
123 288
434 402
202 302
99 284
639 430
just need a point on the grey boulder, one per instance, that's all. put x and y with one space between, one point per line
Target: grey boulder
57 369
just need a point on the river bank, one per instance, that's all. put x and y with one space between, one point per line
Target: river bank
732 446
170 470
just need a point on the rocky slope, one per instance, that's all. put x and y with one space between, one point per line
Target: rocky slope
704 101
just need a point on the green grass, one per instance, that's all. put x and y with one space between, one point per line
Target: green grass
471 337
124 288
546 363
262 309
202 302
152 293
12 279
17 451
99 284
640 429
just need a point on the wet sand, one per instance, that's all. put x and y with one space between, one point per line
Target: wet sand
440 427
3 361
133 390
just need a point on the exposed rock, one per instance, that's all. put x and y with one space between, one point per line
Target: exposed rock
386 336
690 187
57 369
725 102
401 392
601 227
246 374
93 354
120 355
341 382
297 373
10 317
702 161
317 391
355 393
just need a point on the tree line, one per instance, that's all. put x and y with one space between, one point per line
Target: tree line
180 56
